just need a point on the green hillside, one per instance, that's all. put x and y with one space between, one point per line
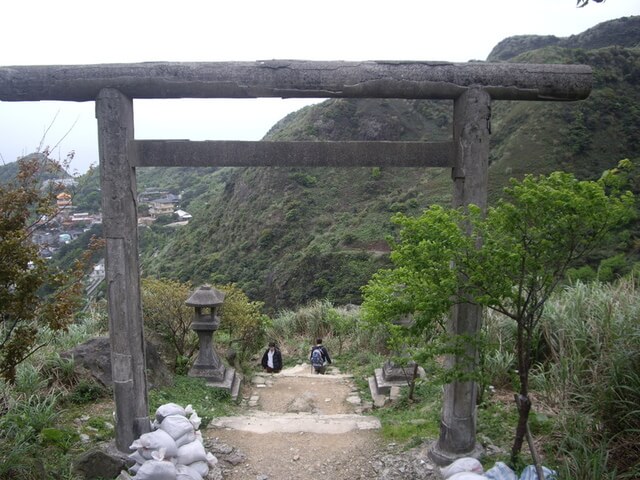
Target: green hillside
49 170
288 235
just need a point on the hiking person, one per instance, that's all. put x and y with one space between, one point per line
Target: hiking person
272 359
319 357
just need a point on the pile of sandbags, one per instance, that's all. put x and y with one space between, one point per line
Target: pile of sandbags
174 449
468 468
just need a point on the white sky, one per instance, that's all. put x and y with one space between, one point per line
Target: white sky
45 32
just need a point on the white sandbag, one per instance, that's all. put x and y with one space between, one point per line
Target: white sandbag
500 471
176 426
136 457
134 469
467 476
529 473
195 420
151 442
199 437
185 472
465 464
167 409
201 467
124 476
158 454
188 410
156 470
188 438
191 453
211 459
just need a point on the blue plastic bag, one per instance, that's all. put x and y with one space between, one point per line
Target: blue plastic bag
500 471
529 473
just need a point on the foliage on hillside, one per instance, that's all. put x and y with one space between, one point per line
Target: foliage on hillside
622 32
47 169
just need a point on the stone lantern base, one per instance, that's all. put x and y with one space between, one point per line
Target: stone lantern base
443 458
387 381
225 378
208 372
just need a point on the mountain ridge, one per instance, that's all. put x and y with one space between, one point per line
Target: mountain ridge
621 32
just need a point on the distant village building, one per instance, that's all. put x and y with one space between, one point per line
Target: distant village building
164 206
149 194
63 201
81 218
182 215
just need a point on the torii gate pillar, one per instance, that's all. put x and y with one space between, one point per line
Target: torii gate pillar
471 130
114 112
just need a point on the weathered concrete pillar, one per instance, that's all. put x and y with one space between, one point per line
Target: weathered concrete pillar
114 112
471 130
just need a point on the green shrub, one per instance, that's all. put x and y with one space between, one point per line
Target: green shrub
62 438
612 268
28 380
167 319
208 402
59 371
27 416
583 274
87 391
499 367
304 179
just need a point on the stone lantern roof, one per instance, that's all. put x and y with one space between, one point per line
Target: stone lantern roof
206 296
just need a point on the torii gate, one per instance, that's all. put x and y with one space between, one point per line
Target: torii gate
471 86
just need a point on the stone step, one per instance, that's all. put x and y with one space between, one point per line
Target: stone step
232 382
265 422
379 399
235 388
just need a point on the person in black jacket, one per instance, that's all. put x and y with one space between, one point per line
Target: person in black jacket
272 359
321 359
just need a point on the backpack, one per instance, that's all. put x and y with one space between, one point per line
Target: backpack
316 357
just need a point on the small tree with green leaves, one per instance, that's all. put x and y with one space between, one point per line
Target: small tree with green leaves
243 320
168 318
510 260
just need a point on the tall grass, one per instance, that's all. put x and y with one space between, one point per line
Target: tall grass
310 321
21 425
340 328
32 444
593 374
498 360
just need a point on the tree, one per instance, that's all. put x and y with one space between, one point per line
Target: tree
510 260
243 320
584 3
168 318
24 275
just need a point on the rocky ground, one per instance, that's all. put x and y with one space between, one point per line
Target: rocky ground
299 425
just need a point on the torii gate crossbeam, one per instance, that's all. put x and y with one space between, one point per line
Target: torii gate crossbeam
472 87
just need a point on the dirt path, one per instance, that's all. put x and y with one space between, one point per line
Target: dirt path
299 426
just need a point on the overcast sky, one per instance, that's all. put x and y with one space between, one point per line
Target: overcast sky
45 32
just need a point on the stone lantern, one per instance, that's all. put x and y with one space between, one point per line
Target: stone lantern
207 302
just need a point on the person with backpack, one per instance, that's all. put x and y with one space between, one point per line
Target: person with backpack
319 357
